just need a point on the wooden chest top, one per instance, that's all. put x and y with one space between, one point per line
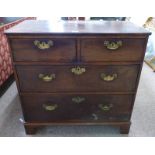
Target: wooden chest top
77 27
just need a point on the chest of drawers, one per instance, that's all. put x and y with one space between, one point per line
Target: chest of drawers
81 73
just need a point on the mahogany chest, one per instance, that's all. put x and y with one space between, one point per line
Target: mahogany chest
80 73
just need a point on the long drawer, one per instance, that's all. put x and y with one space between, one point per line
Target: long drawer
118 78
55 50
79 107
112 49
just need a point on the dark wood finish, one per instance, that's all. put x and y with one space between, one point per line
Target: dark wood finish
62 50
76 107
77 63
65 80
95 50
30 130
77 44
124 129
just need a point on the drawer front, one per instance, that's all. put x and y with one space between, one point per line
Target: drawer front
111 49
55 50
77 78
77 107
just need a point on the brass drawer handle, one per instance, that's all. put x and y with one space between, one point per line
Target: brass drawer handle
43 45
78 99
78 70
50 107
112 45
108 77
104 107
47 78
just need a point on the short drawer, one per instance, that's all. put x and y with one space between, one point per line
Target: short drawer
111 49
118 78
78 107
55 50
